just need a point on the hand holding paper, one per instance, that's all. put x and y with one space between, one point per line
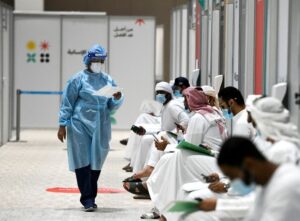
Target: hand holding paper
108 91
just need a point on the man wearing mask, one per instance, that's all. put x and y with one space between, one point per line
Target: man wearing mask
172 112
278 197
233 107
180 84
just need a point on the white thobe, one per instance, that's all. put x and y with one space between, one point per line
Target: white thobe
279 200
150 123
241 127
175 169
173 112
226 210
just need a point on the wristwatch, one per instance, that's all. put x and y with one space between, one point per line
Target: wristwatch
226 186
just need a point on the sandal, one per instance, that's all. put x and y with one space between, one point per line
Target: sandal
126 167
132 179
150 215
129 169
136 188
142 197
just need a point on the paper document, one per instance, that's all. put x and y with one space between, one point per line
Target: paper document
107 91
183 206
189 187
199 149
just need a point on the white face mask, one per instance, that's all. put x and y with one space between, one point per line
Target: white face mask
96 67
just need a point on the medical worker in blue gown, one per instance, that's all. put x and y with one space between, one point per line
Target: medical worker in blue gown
85 118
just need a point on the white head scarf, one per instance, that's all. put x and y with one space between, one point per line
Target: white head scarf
164 86
210 91
250 100
272 120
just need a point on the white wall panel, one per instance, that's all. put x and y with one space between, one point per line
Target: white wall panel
77 38
204 48
37 36
1 78
132 63
215 44
159 58
173 45
184 41
228 45
6 71
282 53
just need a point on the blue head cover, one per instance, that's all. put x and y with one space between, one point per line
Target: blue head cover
96 51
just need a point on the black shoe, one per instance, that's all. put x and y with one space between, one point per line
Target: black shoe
89 209
124 141
95 206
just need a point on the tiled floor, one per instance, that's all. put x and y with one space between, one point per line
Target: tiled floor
39 162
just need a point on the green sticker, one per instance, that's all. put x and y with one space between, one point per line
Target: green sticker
31 57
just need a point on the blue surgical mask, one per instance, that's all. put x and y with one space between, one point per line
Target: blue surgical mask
161 98
240 188
177 93
227 114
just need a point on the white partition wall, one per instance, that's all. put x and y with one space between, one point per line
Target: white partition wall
283 29
236 28
228 65
132 63
49 49
178 22
215 58
37 68
271 45
1 88
77 37
294 61
159 53
184 42
246 61
6 71
204 49
173 46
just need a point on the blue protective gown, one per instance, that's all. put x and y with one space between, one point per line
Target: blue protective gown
87 118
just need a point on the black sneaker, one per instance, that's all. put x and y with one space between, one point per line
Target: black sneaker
89 208
95 206
124 141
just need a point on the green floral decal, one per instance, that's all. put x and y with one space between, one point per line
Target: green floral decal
31 57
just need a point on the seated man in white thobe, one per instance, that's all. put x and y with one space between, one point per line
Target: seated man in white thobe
172 113
282 147
150 120
206 127
233 107
272 121
278 193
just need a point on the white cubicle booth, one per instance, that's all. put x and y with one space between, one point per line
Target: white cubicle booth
49 47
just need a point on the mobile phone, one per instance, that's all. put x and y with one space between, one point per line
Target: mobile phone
199 199
135 129
206 178
155 138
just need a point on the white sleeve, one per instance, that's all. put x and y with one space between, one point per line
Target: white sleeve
171 148
283 206
237 204
196 129
179 115
244 130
